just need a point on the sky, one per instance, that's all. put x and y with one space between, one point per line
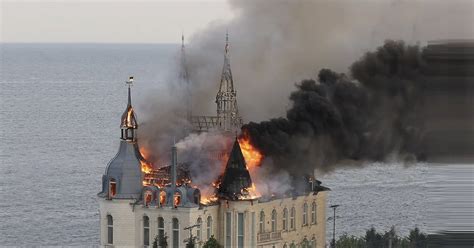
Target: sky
104 21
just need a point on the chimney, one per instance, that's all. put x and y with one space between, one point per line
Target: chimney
174 164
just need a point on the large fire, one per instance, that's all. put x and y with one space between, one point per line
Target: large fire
253 157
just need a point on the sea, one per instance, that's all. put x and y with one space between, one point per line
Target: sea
59 126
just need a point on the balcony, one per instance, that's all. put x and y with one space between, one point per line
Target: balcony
268 236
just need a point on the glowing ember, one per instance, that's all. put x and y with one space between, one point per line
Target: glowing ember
250 193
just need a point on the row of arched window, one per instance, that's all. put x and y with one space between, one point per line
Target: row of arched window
146 230
288 218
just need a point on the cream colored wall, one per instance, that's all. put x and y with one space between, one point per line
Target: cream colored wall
123 220
128 224
300 232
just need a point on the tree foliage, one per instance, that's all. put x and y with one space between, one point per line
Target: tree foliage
212 243
374 239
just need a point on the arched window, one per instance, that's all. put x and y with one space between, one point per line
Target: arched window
305 214
175 226
110 229
112 188
147 198
162 198
209 227
262 222
292 218
285 219
199 228
313 243
146 231
313 213
274 220
161 228
177 199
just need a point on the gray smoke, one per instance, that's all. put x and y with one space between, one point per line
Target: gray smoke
274 44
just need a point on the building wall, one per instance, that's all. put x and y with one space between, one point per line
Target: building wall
128 222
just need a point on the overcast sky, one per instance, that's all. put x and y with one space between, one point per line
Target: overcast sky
152 21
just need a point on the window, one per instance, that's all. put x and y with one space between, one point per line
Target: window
209 227
175 226
240 230
228 229
147 198
110 229
161 228
252 230
198 228
274 220
262 222
292 218
285 246
177 199
162 198
146 231
305 214
313 213
112 188
285 219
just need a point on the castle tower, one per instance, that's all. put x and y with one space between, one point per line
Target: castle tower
123 176
226 99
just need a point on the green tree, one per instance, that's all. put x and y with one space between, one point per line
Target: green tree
373 239
417 239
211 243
160 241
191 242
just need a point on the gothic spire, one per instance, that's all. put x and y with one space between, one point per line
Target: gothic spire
226 99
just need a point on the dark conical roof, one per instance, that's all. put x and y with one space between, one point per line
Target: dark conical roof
236 176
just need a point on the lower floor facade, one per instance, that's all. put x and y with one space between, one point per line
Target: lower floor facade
277 223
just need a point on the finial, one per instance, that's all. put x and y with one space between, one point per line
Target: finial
129 83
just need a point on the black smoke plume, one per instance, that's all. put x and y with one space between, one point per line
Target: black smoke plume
334 118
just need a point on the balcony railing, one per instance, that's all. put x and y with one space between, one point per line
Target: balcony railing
268 236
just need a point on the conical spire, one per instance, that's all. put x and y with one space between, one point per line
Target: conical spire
227 82
226 99
236 177
129 119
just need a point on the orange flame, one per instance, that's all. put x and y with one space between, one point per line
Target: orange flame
253 157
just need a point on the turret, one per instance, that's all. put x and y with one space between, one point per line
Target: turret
123 176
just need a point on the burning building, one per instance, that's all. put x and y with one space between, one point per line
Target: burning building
140 202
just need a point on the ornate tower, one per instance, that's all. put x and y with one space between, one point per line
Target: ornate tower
123 176
226 99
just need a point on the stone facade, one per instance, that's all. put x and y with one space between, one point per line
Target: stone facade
245 215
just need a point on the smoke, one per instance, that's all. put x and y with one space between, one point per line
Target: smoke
336 118
366 112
